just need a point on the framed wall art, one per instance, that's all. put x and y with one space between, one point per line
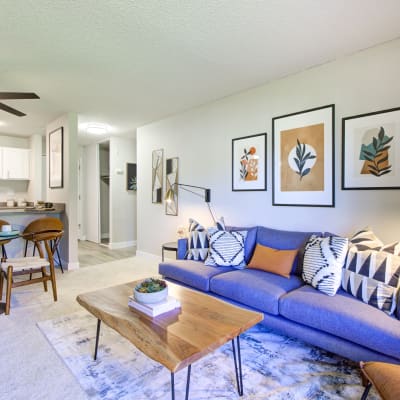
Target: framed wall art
249 163
371 150
171 186
56 158
131 174
303 158
157 175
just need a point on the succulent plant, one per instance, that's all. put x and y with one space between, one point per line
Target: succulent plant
151 285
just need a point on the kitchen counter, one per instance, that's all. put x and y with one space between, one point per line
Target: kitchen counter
20 217
57 208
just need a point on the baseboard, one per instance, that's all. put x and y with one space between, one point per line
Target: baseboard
71 266
148 255
121 245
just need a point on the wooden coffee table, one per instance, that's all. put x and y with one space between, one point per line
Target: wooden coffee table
178 338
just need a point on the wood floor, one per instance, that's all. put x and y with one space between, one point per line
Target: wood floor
90 253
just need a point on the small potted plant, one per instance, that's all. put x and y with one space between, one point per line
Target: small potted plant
151 290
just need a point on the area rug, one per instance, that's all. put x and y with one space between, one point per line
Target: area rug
274 367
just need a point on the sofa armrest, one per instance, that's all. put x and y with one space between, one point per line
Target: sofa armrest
182 248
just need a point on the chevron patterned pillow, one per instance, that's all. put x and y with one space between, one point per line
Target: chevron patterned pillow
197 242
323 262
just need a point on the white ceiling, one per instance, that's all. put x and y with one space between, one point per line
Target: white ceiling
127 63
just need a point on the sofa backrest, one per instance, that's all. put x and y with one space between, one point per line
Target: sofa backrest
285 240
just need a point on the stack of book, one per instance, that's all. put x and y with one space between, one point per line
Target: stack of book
154 309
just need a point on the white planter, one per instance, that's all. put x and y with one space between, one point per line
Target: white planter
155 297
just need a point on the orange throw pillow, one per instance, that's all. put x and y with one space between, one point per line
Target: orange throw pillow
273 260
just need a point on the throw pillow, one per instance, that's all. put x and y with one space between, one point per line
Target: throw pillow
226 248
366 240
373 277
323 262
278 262
197 242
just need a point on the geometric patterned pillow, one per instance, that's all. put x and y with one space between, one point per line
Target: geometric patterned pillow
197 242
373 277
366 240
323 262
226 248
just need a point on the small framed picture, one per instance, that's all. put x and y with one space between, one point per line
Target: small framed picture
371 150
249 163
303 158
131 176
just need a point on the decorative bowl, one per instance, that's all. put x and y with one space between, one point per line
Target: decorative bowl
151 290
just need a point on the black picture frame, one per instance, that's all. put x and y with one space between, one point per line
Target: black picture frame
249 163
370 150
56 158
131 176
303 162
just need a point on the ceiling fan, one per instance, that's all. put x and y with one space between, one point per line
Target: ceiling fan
15 96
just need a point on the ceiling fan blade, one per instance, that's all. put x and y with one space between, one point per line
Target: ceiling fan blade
17 95
11 110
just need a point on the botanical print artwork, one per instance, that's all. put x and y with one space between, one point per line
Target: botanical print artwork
375 150
302 158
157 176
371 150
249 165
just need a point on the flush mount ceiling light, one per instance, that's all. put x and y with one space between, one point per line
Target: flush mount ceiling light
96 129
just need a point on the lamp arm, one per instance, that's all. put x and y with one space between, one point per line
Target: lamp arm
207 192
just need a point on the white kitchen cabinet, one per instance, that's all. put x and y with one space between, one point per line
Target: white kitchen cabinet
15 163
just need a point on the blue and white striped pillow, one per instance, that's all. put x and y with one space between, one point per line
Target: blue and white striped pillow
226 248
323 262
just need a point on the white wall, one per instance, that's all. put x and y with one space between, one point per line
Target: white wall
122 202
68 194
364 82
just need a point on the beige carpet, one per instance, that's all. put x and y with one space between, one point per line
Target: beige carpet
29 366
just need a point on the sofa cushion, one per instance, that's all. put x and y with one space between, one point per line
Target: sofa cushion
284 240
226 248
198 242
323 262
273 260
366 240
254 288
250 242
343 316
191 273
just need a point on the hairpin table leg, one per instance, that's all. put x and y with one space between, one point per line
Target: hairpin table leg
238 365
97 339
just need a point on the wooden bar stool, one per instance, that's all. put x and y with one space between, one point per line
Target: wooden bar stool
12 267
384 377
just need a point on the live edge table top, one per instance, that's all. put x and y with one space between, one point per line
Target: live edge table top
175 339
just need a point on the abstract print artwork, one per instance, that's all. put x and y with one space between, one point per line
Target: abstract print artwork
171 206
303 163
249 163
371 151
157 175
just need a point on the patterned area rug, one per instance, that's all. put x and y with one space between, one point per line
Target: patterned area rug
274 367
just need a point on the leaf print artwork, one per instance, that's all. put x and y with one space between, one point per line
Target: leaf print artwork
302 158
376 154
249 164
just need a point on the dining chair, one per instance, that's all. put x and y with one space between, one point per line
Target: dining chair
4 241
51 224
38 232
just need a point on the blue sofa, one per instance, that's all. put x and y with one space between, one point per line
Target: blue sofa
340 324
